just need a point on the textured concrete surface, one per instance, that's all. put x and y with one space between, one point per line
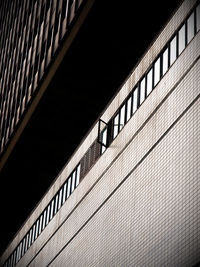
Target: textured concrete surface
139 204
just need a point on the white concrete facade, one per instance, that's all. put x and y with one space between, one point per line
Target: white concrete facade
139 204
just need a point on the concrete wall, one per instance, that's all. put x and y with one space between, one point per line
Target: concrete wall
144 207
139 204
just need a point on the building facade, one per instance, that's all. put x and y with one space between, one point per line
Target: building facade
31 32
129 196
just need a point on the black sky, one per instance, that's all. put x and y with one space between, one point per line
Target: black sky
111 41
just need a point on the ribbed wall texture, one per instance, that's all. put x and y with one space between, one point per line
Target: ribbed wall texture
31 32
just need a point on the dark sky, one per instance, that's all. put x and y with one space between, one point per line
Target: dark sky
111 41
